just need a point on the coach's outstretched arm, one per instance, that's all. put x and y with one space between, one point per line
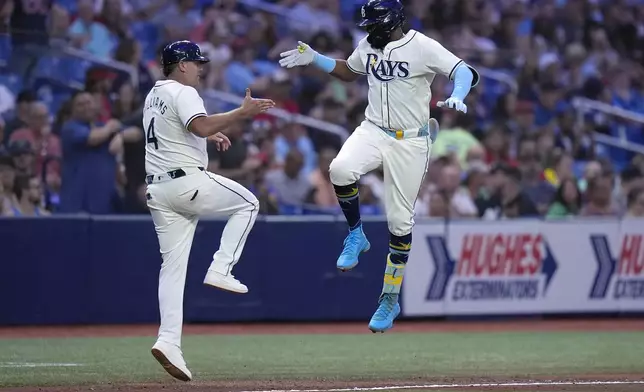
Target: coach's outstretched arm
305 55
206 126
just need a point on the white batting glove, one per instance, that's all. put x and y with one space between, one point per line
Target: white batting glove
453 103
301 56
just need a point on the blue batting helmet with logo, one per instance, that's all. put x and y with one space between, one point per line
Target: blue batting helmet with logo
182 51
386 15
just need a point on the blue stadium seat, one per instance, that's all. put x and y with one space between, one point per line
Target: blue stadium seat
46 67
72 70
53 92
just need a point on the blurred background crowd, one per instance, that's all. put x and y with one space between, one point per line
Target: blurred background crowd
74 69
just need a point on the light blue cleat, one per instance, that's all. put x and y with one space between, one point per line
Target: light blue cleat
355 243
386 313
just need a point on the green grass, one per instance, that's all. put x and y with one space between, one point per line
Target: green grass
341 357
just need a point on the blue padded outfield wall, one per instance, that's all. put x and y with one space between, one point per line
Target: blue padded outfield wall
90 270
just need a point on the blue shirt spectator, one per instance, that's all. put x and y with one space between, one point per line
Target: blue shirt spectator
90 35
89 164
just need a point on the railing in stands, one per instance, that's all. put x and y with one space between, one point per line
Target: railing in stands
585 105
282 114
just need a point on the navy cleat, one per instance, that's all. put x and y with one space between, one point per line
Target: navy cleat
355 243
386 313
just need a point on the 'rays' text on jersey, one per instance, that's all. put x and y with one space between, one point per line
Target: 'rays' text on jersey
386 70
156 102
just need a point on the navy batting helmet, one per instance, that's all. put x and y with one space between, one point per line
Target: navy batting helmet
385 15
182 51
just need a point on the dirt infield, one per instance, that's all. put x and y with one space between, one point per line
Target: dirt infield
591 383
612 325
613 383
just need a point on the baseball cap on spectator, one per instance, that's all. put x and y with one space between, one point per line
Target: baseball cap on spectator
20 147
99 73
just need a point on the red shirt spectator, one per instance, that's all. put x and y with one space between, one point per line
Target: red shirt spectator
43 142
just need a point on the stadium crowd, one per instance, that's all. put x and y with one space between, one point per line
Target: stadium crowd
521 150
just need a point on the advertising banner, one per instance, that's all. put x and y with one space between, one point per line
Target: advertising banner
525 267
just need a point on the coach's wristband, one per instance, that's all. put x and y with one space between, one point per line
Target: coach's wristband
326 64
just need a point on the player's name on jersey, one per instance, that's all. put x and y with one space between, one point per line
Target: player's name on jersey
158 103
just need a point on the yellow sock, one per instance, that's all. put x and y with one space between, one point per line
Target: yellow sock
393 277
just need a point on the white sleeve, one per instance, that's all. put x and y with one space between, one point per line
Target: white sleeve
355 62
438 59
189 105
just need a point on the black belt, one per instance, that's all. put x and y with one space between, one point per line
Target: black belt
174 174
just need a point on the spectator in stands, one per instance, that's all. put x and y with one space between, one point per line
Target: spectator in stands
89 164
177 19
475 180
488 202
90 35
291 186
550 104
240 162
515 202
23 157
559 167
567 201
245 68
98 82
24 101
311 16
457 139
591 170
29 196
324 193
497 145
113 16
215 45
505 198
460 201
635 203
599 197
129 52
529 164
631 177
439 206
7 178
294 137
31 23
42 141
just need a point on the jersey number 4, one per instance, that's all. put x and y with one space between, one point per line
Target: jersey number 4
152 138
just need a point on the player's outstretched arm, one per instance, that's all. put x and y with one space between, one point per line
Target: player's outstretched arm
304 55
463 78
206 126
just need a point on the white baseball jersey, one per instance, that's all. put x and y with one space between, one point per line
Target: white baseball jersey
169 108
400 77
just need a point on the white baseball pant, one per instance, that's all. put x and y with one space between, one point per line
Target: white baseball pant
404 163
175 206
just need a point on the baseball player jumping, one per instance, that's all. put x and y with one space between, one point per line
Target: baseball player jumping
397 133
180 190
